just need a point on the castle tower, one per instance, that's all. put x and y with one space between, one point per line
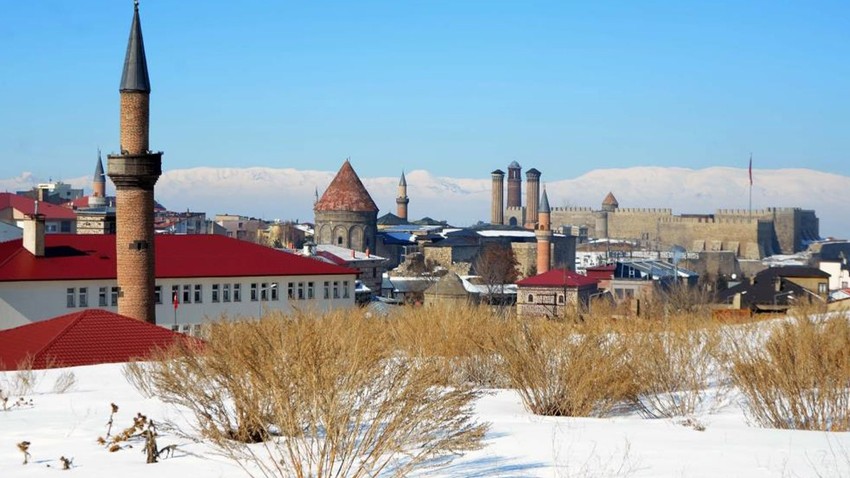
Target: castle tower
543 233
346 215
514 185
609 204
402 200
497 198
134 172
532 195
98 185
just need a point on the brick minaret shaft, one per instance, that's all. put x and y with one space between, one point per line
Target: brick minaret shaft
402 200
135 171
497 198
544 235
514 185
532 196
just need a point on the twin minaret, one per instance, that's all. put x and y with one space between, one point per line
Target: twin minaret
536 214
135 171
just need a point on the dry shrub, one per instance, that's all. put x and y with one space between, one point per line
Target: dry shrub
64 382
674 365
561 370
461 340
323 395
799 378
22 381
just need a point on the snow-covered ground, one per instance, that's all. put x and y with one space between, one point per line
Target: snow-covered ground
518 444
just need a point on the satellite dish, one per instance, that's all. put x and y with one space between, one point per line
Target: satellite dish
677 253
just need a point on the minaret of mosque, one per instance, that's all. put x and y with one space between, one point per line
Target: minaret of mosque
544 235
402 200
98 185
134 171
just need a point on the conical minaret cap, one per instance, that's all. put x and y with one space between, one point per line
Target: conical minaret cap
402 181
544 203
135 74
98 170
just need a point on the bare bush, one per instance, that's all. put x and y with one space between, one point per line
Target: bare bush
800 377
560 370
317 395
461 340
675 367
64 382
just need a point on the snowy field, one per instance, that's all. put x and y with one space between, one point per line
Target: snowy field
518 444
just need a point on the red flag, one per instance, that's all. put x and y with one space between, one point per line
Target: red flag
751 169
175 301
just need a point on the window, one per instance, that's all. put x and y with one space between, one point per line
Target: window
290 290
175 294
274 291
175 328
101 297
530 298
822 288
215 288
157 294
327 290
339 241
237 292
345 293
311 290
560 298
114 296
225 293
199 293
187 294
84 297
336 289
264 291
71 296
196 330
300 291
65 226
254 292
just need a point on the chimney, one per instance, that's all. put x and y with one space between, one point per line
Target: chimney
34 233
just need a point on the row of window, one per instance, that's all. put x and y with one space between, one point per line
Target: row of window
194 293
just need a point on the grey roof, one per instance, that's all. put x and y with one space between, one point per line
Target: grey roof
498 172
514 165
402 181
544 202
98 170
533 172
135 74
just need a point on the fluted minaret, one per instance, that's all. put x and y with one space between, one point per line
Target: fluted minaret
497 197
544 235
514 185
135 171
402 200
532 194
98 185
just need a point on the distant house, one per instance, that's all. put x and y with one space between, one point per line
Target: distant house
370 267
198 277
776 289
556 293
16 209
642 278
449 290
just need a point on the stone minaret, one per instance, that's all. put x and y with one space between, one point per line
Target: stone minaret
544 235
497 198
514 185
402 200
135 171
532 194
98 185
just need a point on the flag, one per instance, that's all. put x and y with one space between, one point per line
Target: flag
175 301
751 169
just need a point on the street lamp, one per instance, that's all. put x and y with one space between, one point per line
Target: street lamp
262 294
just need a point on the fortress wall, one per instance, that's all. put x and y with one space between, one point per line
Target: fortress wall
744 239
583 216
639 224
515 216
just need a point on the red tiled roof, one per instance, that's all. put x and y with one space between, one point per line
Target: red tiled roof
346 193
26 205
89 337
557 278
610 200
92 256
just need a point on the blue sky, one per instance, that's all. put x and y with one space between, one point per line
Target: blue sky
456 87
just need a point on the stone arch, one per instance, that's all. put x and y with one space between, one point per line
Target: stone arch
340 236
356 238
325 235
512 221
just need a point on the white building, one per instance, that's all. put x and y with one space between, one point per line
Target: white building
210 277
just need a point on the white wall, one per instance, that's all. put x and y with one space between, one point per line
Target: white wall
25 302
837 276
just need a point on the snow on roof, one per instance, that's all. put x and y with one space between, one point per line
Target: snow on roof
88 257
508 233
345 254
